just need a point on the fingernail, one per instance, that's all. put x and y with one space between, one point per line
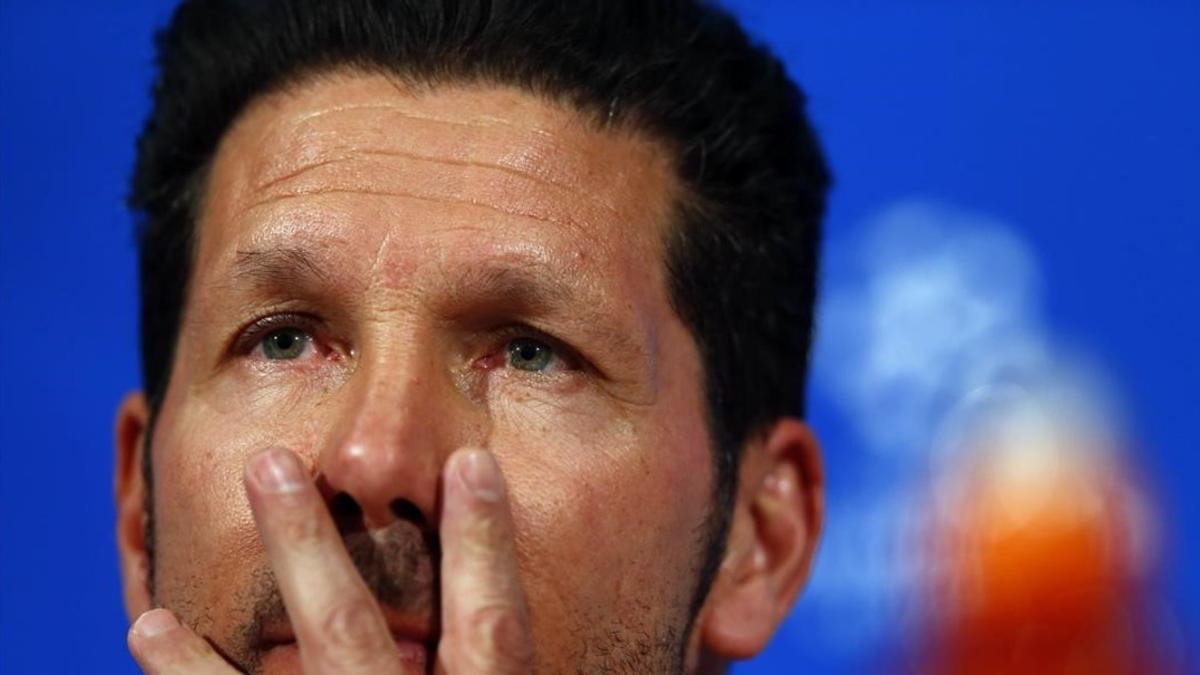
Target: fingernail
154 622
481 475
276 470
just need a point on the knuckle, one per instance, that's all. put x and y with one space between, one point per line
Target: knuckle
485 532
498 639
301 528
352 629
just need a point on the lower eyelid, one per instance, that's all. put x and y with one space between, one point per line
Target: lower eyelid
555 382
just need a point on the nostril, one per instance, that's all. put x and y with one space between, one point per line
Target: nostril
347 514
404 509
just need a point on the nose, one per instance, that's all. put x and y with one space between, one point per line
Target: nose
400 420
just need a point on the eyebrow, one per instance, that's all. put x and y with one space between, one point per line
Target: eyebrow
276 267
522 289
511 282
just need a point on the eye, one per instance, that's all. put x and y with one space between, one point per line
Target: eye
285 344
529 354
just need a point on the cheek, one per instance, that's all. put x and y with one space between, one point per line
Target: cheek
208 552
608 506
202 519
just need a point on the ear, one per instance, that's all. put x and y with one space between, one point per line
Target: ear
132 425
774 526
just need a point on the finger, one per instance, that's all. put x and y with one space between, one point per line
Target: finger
485 624
163 646
338 623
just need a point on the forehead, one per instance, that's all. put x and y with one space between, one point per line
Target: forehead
352 165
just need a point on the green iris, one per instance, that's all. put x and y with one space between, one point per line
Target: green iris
284 344
529 354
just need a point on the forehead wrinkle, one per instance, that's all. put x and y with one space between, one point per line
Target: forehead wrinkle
562 149
549 156
478 122
569 222
376 276
452 161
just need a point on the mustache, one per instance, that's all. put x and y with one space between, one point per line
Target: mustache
399 564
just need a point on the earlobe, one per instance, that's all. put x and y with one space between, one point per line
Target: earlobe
132 426
773 536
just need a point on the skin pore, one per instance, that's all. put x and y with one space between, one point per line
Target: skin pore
386 274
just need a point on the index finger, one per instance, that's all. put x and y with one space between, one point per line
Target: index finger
338 623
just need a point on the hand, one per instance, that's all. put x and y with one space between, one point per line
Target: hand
338 623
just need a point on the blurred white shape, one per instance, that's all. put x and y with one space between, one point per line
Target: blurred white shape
944 302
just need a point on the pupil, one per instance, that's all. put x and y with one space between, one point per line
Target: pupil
528 351
284 340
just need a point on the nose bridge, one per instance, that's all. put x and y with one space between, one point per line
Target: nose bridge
395 429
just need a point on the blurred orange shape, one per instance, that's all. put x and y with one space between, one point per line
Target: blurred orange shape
1037 564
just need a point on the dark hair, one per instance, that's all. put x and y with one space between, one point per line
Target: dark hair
742 256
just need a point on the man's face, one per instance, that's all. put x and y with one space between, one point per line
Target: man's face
383 276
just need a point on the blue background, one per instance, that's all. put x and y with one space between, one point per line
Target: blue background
1079 123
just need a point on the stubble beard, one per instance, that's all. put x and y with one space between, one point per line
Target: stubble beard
400 566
